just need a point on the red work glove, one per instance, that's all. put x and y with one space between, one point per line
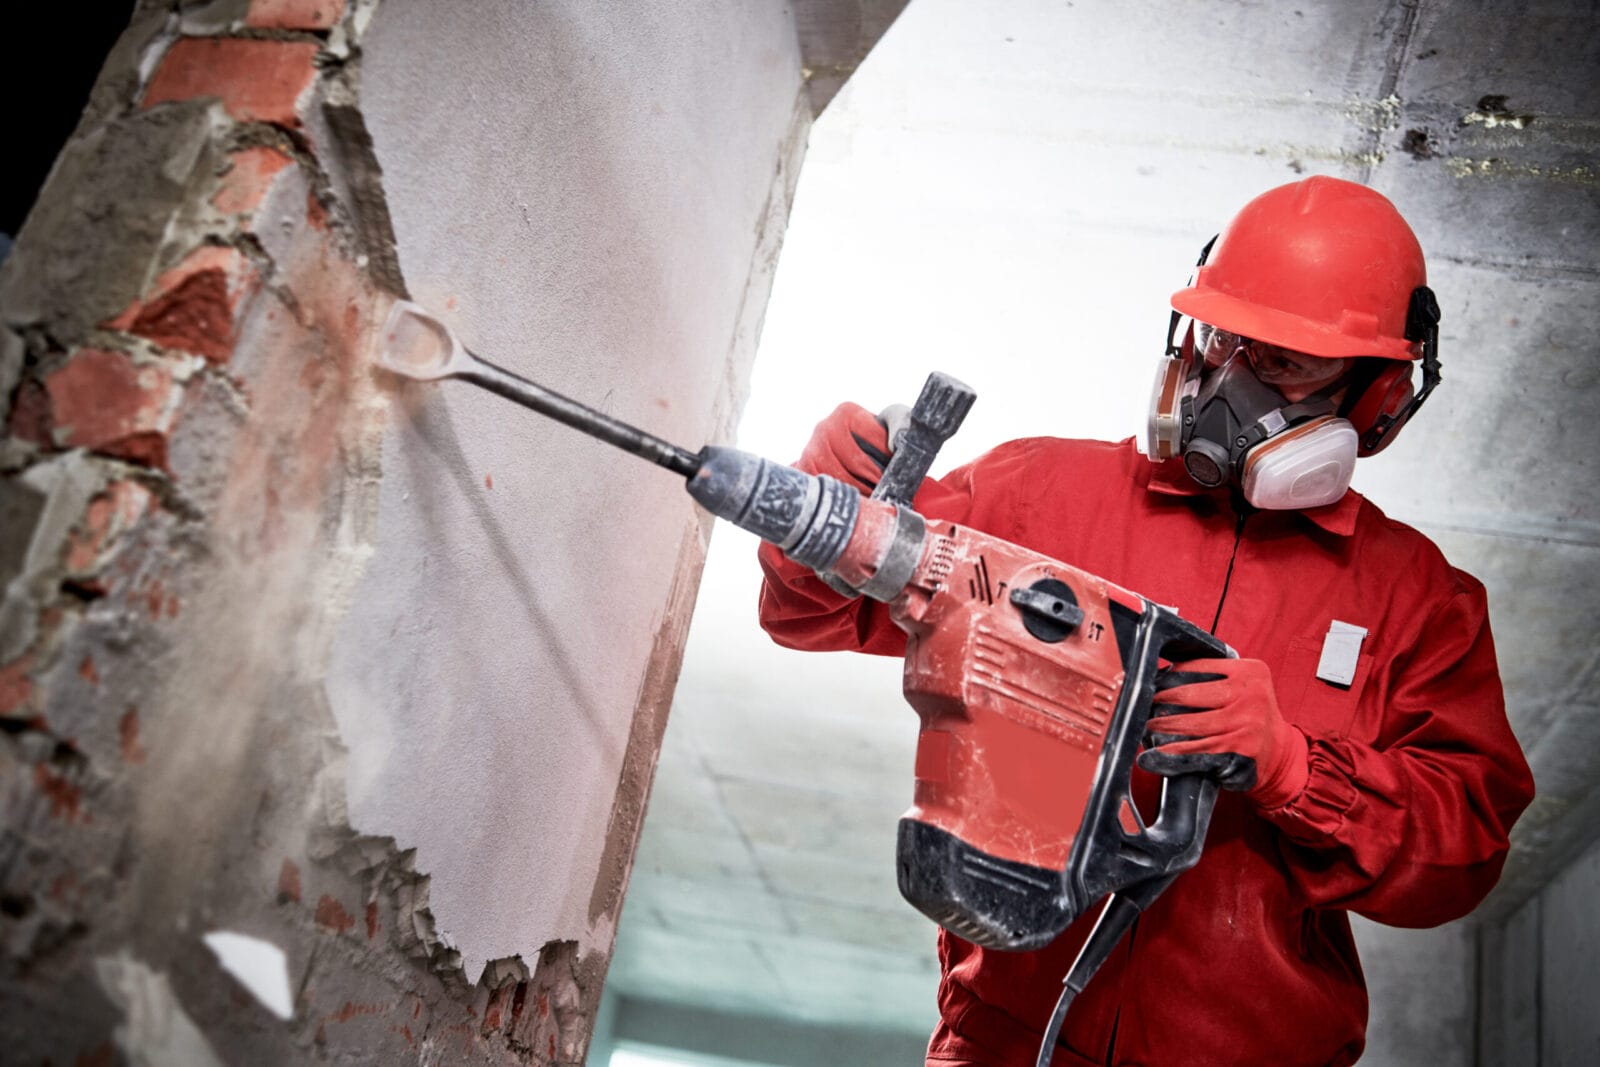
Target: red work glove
1227 724
851 444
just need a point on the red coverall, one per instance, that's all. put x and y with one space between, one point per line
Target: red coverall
1415 777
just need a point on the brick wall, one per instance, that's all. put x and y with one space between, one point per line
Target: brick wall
189 468
366 679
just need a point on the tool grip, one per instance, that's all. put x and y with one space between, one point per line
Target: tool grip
935 417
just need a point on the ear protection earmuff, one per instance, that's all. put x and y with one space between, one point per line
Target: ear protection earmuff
1387 401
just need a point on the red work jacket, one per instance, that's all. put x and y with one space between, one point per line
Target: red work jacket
1415 777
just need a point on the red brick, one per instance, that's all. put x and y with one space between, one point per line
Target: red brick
159 601
105 402
331 914
494 1011
16 687
194 306
128 728
30 414
102 1055
65 797
294 14
256 80
249 179
289 881
316 214
113 509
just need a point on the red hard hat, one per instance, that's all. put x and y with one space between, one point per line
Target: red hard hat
1322 266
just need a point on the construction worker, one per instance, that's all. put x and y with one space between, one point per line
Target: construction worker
1361 738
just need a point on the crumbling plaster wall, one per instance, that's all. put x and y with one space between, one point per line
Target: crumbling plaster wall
591 194
278 633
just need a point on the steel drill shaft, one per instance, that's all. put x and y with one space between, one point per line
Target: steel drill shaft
520 390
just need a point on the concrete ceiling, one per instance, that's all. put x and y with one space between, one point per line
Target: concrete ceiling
1008 192
835 36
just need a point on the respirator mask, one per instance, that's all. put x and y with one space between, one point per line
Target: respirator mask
1217 404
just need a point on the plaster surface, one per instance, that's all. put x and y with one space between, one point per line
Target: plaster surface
583 191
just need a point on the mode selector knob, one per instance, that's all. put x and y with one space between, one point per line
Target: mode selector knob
1049 609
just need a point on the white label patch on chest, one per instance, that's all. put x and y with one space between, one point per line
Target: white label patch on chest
1340 651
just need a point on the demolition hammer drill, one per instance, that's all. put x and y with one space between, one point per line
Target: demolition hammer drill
1034 680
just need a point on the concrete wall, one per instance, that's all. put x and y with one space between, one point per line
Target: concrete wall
1422 990
278 656
1537 995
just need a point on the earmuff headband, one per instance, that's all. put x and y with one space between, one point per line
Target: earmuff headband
1172 325
1422 325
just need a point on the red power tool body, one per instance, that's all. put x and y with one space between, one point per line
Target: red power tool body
1034 682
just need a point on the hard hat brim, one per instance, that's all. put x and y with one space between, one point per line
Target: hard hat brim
1286 330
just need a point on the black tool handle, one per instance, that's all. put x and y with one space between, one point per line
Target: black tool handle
1113 858
1186 799
935 417
1140 866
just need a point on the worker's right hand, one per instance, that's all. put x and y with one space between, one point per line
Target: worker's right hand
851 444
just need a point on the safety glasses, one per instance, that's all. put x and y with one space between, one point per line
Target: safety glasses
1272 364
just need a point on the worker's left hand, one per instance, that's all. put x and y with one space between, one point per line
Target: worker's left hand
1229 727
851 444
